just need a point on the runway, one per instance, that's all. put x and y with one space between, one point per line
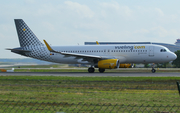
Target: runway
84 74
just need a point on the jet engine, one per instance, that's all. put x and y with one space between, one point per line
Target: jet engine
108 64
126 65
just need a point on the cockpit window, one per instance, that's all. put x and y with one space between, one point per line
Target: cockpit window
163 50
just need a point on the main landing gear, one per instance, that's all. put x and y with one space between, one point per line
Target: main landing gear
91 70
101 70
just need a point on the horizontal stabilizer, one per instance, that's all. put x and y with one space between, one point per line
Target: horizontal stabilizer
20 50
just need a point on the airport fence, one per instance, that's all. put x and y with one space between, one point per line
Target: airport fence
103 87
8 106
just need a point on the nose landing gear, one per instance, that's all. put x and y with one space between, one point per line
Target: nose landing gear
153 70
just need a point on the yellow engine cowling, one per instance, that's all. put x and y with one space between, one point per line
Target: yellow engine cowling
125 65
108 64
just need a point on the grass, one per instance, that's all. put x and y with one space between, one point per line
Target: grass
89 90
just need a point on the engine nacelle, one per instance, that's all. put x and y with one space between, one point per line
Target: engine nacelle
126 65
108 64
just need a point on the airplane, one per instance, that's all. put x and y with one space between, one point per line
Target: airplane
97 56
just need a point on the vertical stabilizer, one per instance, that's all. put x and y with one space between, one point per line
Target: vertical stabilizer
25 35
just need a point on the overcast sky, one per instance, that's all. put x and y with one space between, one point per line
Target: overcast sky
64 22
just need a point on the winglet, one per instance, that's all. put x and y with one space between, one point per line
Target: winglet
48 46
97 42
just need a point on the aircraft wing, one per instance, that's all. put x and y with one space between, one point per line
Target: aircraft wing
81 55
84 56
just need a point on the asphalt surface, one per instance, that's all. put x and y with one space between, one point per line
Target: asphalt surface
85 74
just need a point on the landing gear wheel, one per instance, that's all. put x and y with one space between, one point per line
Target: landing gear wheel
91 70
153 70
101 70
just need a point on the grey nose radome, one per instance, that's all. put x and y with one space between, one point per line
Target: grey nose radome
173 56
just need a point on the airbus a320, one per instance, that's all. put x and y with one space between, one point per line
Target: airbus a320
97 56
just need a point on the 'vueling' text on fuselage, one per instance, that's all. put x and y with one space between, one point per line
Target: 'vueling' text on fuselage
130 47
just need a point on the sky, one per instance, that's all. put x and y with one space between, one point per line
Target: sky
73 22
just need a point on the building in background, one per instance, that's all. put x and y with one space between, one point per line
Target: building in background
171 47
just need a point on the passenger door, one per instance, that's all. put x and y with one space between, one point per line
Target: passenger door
151 51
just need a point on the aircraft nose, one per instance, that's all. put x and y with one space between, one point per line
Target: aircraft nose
173 56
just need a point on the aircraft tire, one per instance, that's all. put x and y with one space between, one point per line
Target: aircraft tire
101 70
153 70
91 70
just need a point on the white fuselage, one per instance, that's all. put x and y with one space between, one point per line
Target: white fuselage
146 53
